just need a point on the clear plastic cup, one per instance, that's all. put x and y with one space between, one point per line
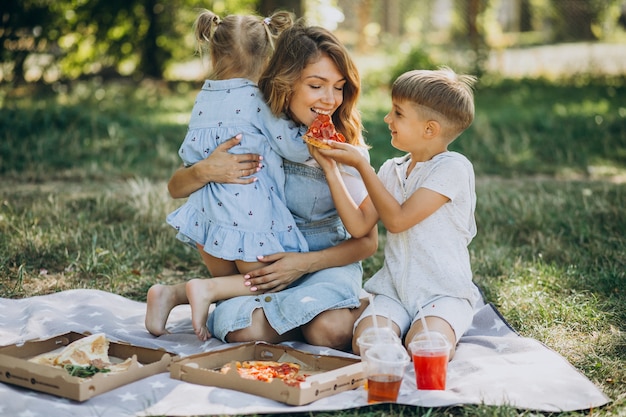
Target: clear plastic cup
385 367
430 353
376 335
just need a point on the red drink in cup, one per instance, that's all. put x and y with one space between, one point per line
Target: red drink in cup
430 370
430 361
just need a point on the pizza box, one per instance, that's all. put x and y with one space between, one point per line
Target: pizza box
326 375
16 369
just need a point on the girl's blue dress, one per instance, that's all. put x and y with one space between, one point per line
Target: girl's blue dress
240 221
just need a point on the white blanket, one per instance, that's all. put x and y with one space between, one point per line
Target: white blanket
493 365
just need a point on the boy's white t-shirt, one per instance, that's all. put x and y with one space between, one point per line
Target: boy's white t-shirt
431 259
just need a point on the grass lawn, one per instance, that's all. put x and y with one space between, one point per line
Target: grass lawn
83 172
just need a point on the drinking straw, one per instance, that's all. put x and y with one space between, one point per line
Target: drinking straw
371 297
424 325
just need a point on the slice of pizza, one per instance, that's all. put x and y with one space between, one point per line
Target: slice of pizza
90 350
270 369
322 129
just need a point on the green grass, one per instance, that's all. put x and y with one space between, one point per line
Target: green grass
83 172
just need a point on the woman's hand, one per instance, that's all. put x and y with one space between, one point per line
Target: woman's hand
286 267
220 166
282 269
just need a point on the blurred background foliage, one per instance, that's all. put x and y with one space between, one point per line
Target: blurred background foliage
55 40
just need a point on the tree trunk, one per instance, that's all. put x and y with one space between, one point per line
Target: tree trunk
393 18
267 7
151 63
574 20
364 10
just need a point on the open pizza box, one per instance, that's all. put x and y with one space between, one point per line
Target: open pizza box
16 369
325 375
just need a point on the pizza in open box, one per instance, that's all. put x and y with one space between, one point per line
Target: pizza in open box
84 357
267 371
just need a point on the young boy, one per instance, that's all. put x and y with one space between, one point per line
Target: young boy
426 201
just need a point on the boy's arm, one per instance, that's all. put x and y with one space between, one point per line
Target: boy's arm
358 220
395 217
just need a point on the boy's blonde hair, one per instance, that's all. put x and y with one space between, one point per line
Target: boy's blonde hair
441 95
239 45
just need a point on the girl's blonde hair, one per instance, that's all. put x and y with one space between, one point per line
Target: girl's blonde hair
239 45
299 46
440 94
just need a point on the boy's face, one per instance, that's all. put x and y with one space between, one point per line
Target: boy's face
405 124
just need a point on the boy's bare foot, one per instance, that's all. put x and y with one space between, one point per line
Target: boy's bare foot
199 293
161 299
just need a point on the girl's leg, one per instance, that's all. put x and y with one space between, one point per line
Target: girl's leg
161 299
228 283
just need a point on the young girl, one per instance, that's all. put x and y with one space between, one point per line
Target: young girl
233 224
426 201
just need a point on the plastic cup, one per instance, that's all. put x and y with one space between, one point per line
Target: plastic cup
384 369
430 360
373 336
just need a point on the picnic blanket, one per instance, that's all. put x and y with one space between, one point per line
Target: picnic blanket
493 365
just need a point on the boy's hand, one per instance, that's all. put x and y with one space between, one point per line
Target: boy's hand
343 153
325 162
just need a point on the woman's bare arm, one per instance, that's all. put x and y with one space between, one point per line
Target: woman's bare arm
286 267
220 166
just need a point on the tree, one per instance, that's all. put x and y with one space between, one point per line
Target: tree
22 34
96 37
267 7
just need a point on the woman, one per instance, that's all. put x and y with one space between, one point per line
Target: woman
315 295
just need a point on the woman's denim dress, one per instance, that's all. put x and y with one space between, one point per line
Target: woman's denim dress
309 200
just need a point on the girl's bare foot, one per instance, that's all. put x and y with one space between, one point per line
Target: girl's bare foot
199 293
161 299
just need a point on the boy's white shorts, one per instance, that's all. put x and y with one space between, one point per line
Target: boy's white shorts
458 312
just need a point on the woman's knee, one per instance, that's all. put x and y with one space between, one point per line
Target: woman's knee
261 330
332 329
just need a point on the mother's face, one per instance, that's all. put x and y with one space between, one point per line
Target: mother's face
319 90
